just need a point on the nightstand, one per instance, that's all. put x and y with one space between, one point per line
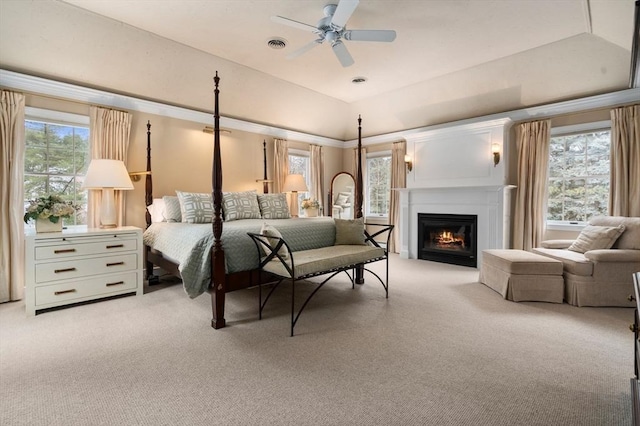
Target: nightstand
81 264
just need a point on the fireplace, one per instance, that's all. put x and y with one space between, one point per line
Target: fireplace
448 238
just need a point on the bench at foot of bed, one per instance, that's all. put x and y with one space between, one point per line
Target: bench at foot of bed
279 260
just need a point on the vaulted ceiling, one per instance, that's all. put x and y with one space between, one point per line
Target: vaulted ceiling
451 59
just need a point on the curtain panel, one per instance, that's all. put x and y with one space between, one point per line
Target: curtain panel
280 164
109 132
316 158
12 194
533 140
624 190
398 180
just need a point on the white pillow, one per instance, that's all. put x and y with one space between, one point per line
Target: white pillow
271 231
156 210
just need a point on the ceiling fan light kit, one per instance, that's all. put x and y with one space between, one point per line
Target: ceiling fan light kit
332 29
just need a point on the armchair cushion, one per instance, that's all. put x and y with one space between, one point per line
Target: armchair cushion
596 237
630 239
575 263
613 255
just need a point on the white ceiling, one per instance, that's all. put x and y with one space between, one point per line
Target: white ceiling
434 37
451 60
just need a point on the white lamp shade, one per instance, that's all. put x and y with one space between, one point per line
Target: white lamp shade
294 183
107 174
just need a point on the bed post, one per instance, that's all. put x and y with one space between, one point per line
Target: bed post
148 183
265 182
358 201
217 286
148 200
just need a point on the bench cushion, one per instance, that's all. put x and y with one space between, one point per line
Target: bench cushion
520 262
325 259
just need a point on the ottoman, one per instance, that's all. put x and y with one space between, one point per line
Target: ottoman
520 275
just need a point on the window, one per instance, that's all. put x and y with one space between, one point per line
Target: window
579 174
378 187
299 165
56 158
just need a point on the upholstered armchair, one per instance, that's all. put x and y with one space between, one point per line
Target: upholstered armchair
599 265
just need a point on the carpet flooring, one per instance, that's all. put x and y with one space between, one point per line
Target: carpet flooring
442 350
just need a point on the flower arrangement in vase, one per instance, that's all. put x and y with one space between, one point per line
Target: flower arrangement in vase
47 212
310 207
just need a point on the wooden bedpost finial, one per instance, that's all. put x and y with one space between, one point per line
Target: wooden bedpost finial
216 79
148 126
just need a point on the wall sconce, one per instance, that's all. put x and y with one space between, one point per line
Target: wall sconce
495 150
136 176
408 162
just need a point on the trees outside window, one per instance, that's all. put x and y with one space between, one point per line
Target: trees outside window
56 160
579 176
378 185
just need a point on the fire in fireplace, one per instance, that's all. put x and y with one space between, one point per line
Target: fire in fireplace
448 238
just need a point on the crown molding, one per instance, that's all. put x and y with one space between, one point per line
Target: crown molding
607 100
42 86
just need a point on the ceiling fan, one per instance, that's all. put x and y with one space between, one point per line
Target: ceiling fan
332 29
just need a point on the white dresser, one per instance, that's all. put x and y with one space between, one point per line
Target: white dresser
81 264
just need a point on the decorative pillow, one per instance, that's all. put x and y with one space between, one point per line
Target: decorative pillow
240 205
196 207
274 206
271 231
342 200
156 210
596 238
171 212
349 232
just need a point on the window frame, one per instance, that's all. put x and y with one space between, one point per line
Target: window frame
366 200
60 118
591 127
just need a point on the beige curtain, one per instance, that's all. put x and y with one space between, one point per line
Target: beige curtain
316 158
624 192
532 141
280 163
398 180
363 167
12 194
109 130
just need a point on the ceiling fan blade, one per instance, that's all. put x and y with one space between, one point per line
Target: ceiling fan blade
343 12
342 53
370 35
294 24
304 49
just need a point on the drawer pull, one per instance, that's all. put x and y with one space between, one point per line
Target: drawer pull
115 246
64 251
58 293
115 264
116 283
57 271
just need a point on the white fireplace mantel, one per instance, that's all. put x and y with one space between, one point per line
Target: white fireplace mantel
491 204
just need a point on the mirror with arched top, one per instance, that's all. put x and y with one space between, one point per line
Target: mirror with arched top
341 196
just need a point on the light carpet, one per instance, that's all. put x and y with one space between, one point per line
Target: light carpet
442 350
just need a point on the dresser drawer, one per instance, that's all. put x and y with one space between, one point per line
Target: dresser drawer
84 246
85 289
71 269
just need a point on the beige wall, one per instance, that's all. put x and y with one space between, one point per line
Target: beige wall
181 156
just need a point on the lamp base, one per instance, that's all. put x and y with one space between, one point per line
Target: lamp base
108 217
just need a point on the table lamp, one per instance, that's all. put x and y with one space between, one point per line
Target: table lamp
107 175
294 184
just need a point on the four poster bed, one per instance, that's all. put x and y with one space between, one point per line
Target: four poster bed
226 260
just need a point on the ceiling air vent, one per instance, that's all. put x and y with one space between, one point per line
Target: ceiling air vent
358 80
277 43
